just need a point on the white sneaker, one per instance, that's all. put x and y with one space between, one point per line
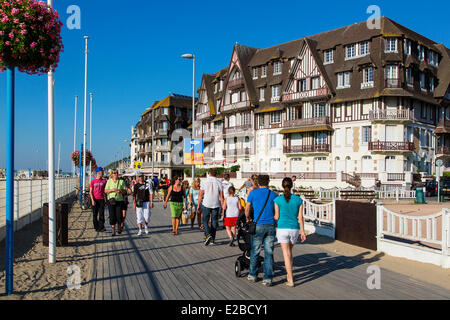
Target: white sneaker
146 230
140 232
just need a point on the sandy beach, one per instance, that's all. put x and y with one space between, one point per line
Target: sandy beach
35 278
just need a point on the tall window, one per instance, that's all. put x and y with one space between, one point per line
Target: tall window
432 58
367 134
421 51
315 83
350 51
178 112
364 48
263 71
246 118
407 47
302 85
409 76
319 110
277 68
276 91
368 75
165 111
221 85
344 79
391 45
391 72
422 81
321 138
275 117
328 56
262 92
432 84
255 73
273 141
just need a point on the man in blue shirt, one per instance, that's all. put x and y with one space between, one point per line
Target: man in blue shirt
259 199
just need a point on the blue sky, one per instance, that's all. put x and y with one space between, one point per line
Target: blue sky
134 59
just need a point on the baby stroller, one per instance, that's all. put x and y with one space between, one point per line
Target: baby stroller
244 242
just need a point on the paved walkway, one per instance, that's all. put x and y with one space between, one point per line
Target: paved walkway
162 266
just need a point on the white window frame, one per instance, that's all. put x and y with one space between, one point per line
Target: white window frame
343 80
431 84
422 81
351 48
391 71
276 68
368 76
276 92
255 72
319 110
391 45
365 44
407 47
302 88
408 76
263 71
421 52
366 134
275 117
262 92
315 83
328 56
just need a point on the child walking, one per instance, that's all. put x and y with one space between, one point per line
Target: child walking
232 207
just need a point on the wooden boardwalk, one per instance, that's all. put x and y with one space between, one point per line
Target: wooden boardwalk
160 266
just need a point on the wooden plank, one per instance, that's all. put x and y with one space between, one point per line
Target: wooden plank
127 271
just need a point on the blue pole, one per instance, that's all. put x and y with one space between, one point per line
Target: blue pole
9 179
81 177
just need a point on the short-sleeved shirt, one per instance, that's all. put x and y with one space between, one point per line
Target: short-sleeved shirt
119 184
143 191
98 188
257 198
155 182
289 212
212 187
195 194
248 184
225 186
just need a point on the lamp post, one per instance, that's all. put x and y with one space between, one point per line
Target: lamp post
75 133
86 38
192 57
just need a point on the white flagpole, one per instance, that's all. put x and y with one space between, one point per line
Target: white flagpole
90 135
75 134
51 164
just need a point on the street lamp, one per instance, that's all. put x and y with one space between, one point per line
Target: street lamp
192 57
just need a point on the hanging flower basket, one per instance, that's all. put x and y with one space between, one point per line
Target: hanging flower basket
30 36
75 156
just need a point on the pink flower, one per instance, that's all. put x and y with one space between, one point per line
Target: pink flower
16 21
5 19
7 43
33 44
23 32
11 35
15 11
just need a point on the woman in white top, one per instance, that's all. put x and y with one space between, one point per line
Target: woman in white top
232 207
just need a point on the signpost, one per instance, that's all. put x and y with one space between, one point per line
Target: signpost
439 164
193 152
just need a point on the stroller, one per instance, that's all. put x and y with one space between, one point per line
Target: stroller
244 242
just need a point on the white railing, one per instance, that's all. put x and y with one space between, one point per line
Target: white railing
396 194
320 218
335 193
30 195
430 232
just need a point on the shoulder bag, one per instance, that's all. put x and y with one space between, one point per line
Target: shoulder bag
252 225
112 201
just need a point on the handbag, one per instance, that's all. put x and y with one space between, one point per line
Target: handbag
251 229
112 201
192 214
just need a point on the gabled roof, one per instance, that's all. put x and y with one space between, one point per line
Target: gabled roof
174 100
443 71
150 108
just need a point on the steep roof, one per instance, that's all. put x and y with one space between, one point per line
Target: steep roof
443 71
174 100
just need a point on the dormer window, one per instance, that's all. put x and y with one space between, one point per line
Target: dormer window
391 45
277 68
432 58
350 51
255 73
328 56
221 85
421 51
263 71
407 47
364 48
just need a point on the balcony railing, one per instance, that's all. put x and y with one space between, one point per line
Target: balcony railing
308 148
305 94
161 132
393 83
308 122
403 114
236 105
238 129
444 123
236 152
396 176
162 148
234 84
366 85
204 115
391 146
443 150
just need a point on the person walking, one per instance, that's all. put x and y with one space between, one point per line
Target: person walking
232 207
125 200
210 201
226 184
175 194
185 185
288 213
294 186
155 181
194 192
255 184
97 192
143 203
262 201
247 185
115 189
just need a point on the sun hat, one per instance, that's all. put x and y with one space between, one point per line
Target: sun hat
99 169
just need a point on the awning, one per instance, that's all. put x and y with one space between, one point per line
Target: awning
268 109
218 118
307 129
